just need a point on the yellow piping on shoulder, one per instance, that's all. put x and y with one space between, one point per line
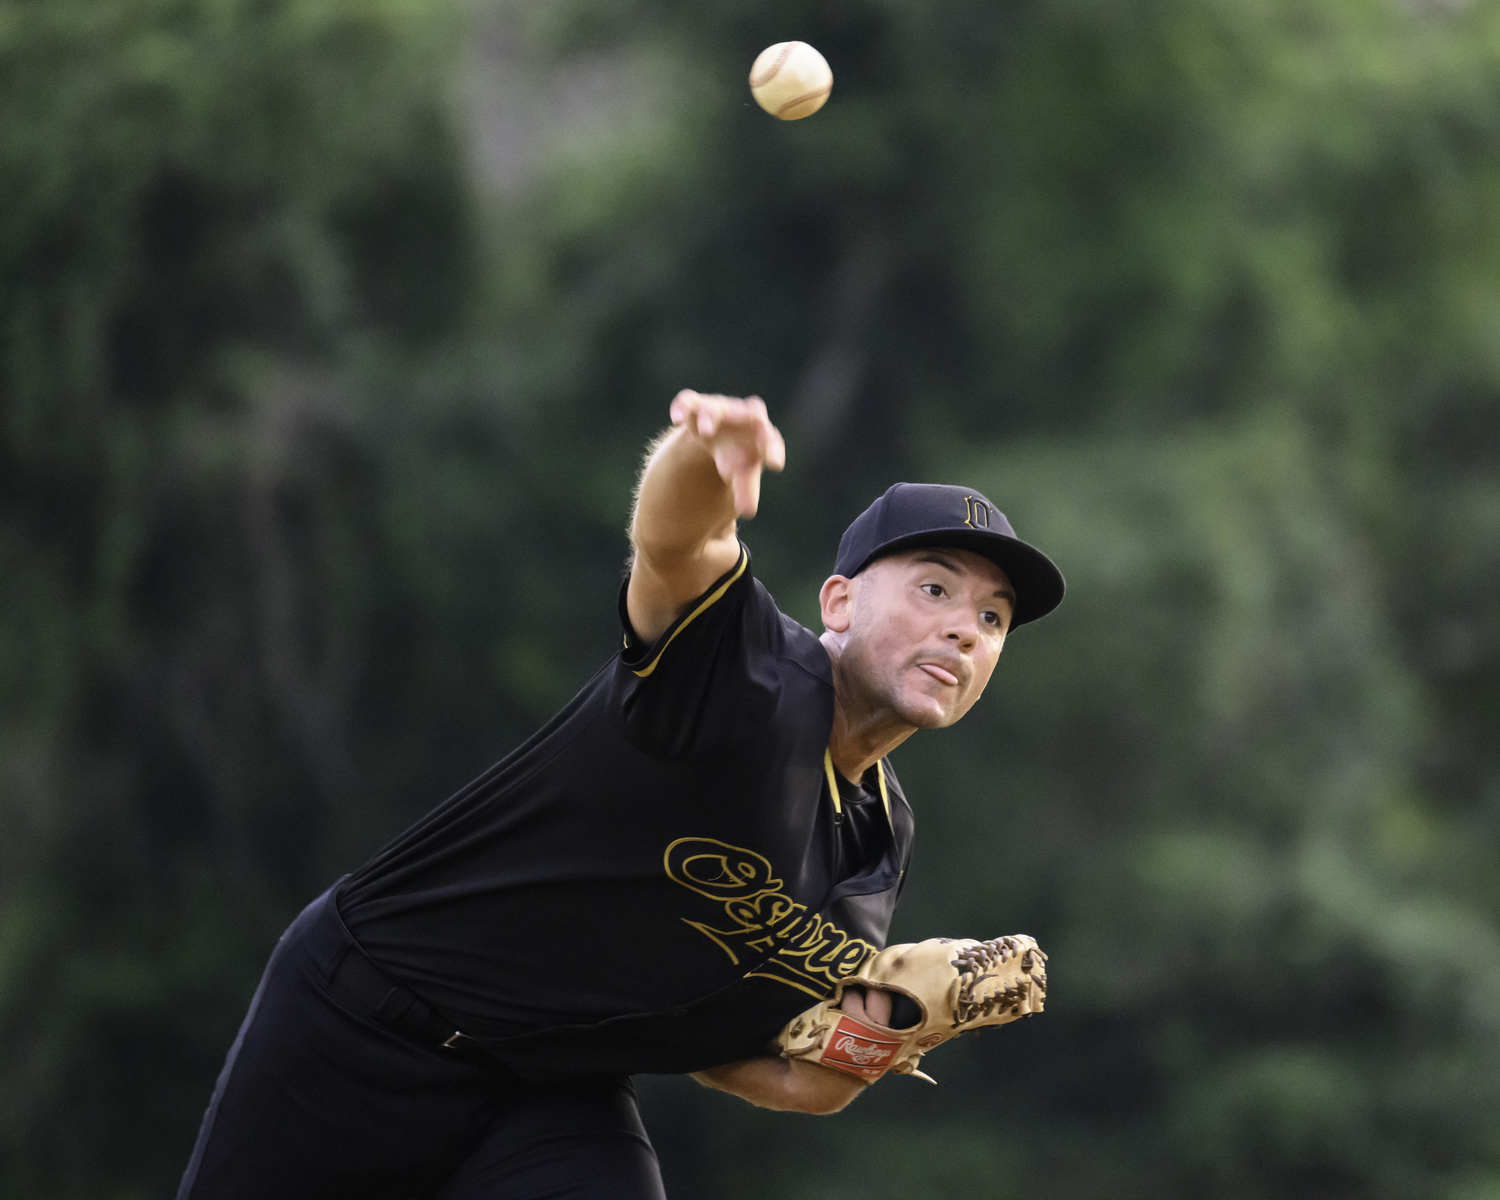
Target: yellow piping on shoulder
708 601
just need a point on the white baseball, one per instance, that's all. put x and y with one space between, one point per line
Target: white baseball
790 80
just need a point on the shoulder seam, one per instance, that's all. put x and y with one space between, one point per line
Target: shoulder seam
793 661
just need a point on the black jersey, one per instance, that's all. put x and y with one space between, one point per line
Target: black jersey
663 875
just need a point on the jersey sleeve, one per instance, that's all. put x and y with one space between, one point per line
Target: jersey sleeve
711 679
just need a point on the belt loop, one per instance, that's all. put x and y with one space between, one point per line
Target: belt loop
397 1003
337 959
348 967
324 937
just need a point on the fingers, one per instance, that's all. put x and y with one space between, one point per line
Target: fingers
746 487
868 1004
697 411
746 425
775 456
878 1006
683 405
710 413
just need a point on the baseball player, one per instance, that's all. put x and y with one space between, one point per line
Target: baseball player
691 868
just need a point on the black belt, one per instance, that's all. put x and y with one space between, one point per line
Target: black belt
351 975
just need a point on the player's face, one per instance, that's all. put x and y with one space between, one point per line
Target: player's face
926 627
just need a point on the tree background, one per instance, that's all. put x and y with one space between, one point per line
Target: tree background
330 333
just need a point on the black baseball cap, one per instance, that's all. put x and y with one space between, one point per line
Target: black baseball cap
909 515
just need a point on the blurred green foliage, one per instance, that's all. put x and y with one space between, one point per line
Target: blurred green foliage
314 458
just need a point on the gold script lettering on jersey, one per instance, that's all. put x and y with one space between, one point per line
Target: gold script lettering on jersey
805 950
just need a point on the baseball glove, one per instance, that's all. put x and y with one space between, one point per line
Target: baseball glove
958 984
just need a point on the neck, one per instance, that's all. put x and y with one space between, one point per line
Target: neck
864 731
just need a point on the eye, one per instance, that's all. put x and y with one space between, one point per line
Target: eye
933 589
992 617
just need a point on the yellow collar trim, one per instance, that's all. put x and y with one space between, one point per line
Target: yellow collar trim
833 785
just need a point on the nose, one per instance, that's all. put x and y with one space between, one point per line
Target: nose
963 629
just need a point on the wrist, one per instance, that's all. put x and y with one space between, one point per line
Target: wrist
682 502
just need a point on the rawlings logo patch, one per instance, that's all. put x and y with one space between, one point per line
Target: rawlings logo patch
856 1049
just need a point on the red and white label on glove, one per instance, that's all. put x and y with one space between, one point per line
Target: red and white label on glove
857 1049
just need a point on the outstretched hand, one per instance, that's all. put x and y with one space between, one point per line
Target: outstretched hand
698 481
739 435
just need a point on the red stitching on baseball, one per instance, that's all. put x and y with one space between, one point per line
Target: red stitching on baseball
786 53
791 104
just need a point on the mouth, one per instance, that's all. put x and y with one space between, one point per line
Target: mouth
941 674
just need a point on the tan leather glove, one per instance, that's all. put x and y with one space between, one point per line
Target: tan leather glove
957 983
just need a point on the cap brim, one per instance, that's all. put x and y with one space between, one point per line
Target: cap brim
1039 584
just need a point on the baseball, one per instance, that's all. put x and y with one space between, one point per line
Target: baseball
790 80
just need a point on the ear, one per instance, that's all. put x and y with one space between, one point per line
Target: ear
836 599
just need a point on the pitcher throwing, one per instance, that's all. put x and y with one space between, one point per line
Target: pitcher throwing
691 868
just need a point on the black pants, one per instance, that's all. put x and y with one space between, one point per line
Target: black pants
318 1100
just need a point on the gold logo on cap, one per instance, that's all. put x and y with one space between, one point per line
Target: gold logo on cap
976 513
